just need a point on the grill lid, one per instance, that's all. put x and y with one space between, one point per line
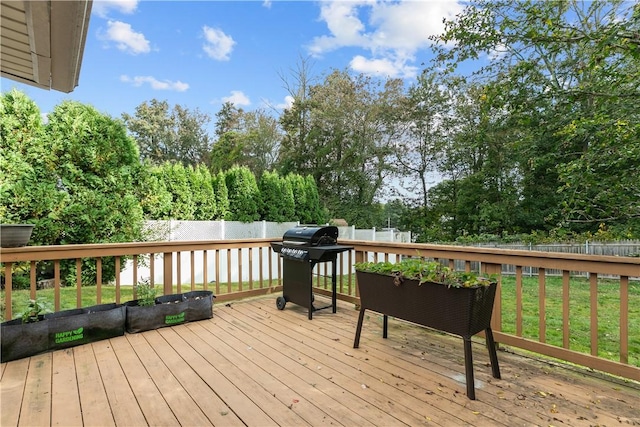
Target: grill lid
311 236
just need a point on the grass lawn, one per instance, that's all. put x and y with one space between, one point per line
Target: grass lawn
579 314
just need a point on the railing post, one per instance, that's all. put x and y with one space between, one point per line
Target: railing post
496 317
168 273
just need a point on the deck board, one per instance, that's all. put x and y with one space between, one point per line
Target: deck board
254 365
96 410
14 378
37 394
117 389
65 403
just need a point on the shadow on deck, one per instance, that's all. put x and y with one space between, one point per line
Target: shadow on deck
254 365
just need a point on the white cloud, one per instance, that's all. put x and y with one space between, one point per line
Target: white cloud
155 84
218 45
125 38
287 102
383 67
237 98
392 32
102 7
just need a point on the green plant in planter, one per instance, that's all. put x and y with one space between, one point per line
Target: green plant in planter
426 271
146 294
34 310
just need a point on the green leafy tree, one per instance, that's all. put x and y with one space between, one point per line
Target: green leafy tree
245 138
96 164
153 193
222 196
317 213
347 140
566 73
276 193
227 152
178 182
243 193
425 119
27 170
204 196
262 136
169 135
303 212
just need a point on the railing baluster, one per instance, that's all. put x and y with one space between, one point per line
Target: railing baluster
179 271
565 308
217 257
239 252
624 319
135 276
205 270
152 269
32 280
98 280
251 268
229 270
192 262
117 271
56 285
167 276
519 301
542 313
8 288
593 292
78 282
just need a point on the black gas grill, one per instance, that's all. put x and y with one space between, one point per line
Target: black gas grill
301 249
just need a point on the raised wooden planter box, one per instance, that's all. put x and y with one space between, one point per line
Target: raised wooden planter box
169 310
63 329
460 311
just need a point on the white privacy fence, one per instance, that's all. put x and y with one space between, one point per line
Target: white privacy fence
220 230
223 230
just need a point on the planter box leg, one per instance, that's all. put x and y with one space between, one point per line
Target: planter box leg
491 346
468 367
385 325
356 341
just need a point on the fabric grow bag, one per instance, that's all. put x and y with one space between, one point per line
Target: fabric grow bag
169 310
63 329
82 326
23 339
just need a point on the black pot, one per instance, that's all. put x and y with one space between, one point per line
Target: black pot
15 235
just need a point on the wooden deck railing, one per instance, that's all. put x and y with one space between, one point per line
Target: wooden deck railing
235 269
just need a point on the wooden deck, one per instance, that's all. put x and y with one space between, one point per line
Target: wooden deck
254 365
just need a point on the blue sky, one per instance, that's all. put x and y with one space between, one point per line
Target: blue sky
200 54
